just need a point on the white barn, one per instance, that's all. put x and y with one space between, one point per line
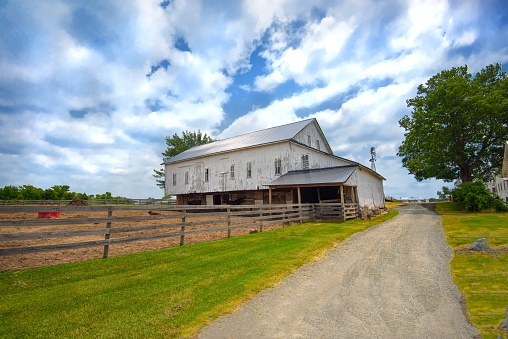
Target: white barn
287 164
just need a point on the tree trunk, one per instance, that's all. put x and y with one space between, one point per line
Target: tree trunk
466 175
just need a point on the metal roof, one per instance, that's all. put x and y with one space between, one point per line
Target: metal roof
329 175
265 136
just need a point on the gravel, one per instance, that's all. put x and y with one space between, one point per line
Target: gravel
391 281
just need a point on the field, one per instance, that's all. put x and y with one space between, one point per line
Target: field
23 261
168 293
481 276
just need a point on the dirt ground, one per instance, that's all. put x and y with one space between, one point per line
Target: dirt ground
23 261
390 281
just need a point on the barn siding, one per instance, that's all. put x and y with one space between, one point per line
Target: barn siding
263 168
369 187
315 136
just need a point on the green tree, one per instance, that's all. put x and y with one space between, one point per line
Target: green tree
105 196
445 194
9 192
458 125
177 145
82 196
29 192
61 192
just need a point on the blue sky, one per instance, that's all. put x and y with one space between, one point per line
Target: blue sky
89 89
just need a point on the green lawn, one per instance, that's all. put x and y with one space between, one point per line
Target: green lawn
166 293
481 277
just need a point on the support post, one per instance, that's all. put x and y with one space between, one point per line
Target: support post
107 235
357 201
182 237
341 192
261 226
229 222
269 195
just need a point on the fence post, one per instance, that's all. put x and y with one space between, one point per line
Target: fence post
261 226
107 235
300 211
229 222
182 237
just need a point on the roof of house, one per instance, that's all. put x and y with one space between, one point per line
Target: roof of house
257 138
318 176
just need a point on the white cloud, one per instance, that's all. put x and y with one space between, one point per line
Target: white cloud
356 62
321 44
466 39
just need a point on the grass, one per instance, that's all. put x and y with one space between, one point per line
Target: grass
481 277
167 293
393 204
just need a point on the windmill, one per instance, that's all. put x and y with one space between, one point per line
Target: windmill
373 158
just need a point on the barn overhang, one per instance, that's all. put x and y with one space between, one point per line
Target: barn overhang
310 177
319 177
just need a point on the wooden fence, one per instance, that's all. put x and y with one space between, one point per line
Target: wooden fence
91 202
167 221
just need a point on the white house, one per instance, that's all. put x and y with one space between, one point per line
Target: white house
292 163
499 186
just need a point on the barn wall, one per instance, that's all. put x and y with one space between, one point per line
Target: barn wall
262 161
315 135
370 188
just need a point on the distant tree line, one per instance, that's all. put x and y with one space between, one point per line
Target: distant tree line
56 192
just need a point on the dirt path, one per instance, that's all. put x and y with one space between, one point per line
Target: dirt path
391 281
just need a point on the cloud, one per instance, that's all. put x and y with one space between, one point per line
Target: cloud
90 89
321 43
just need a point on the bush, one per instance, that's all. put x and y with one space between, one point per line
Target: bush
500 205
473 196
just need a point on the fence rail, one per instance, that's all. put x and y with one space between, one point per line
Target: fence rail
167 222
98 202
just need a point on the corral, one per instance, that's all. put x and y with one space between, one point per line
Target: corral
89 232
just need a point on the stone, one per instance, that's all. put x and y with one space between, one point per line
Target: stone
480 245
504 324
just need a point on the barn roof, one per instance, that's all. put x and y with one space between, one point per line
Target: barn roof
257 138
318 176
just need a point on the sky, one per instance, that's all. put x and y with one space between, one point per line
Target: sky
89 89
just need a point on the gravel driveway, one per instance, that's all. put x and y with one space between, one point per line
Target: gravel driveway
391 281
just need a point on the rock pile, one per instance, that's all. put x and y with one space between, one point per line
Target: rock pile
480 245
78 203
504 324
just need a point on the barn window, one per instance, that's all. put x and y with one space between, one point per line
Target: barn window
249 170
308 140
317 145
278 165
305 161
232 172
207 174
187 178
174 179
